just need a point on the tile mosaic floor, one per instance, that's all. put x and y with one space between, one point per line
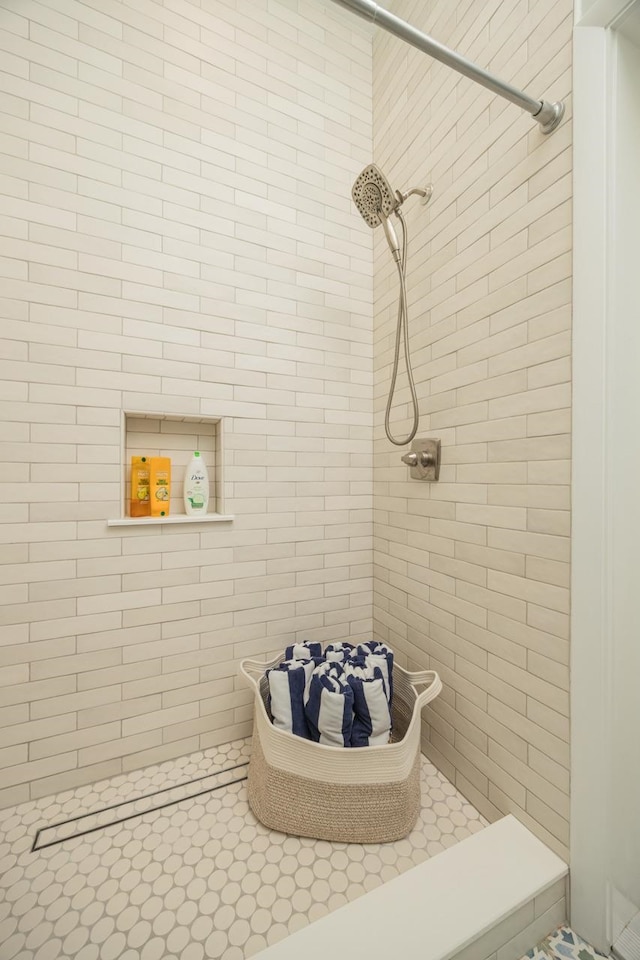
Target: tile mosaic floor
563 944
200 878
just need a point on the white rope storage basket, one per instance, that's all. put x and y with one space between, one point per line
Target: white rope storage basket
356 795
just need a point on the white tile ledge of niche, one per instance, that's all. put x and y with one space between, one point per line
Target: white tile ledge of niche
153 521
439 907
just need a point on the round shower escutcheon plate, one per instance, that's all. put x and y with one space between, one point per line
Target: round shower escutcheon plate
428 188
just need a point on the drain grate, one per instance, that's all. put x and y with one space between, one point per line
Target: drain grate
90 822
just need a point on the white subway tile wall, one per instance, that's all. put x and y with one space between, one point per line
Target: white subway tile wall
177 237
472 574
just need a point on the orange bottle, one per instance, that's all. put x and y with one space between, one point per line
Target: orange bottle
140 503
160 483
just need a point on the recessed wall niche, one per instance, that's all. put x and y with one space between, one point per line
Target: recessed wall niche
174 436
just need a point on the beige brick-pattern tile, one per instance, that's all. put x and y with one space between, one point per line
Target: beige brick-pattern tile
177 238
489 289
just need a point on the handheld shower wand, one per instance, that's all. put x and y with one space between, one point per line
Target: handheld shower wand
376 202
392 239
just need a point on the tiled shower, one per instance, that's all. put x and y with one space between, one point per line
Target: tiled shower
182 262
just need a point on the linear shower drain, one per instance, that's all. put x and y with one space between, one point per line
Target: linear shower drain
128 809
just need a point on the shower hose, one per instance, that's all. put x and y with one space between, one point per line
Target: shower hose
402 331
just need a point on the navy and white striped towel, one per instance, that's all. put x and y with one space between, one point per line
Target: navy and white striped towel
381 656
362 667
329 707
287 684
329 667
338 652
303 651
372 714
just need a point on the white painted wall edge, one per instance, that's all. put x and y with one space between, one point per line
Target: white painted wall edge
590 559
434 910
589 541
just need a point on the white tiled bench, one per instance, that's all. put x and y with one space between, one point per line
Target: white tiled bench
493 895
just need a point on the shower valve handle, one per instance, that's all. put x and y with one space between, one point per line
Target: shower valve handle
424 459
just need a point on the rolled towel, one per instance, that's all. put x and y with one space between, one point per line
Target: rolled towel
331 668
372 714
287 685
303 651
329 708
338 652
382 657
363 667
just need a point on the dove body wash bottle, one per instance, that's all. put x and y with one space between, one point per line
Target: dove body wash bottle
196 486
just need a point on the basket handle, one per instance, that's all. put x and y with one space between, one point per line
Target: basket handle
421 677
253 670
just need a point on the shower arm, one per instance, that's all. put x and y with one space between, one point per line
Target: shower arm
425 194
548 115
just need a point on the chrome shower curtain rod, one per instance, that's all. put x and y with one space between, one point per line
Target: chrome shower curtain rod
548 115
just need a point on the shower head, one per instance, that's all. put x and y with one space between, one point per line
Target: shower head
376 201
373 196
